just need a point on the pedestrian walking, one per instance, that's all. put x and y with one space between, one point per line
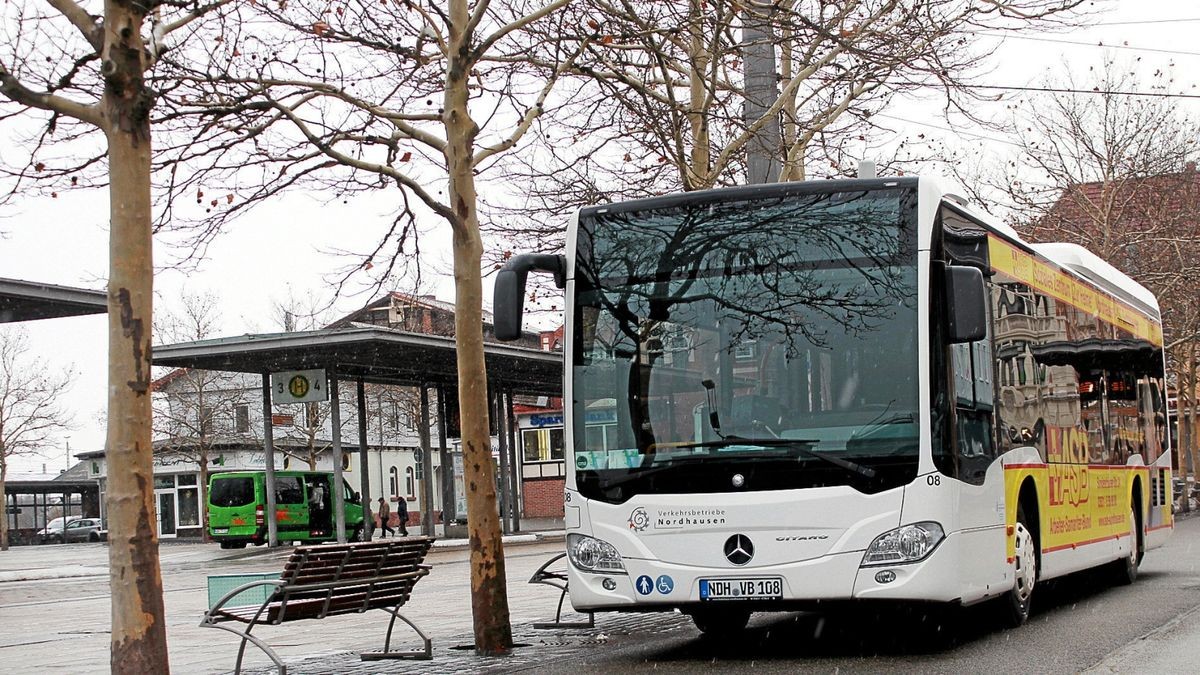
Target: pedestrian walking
402 514
385 515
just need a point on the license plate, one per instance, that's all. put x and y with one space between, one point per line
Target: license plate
220 530
764 588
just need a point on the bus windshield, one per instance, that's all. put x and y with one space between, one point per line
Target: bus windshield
758 344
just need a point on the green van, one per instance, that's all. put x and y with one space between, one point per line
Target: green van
237 504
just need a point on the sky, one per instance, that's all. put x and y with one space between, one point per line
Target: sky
285 247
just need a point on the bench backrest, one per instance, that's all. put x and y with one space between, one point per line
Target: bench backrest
328 579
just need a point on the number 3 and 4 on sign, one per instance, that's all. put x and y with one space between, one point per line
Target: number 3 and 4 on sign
299 386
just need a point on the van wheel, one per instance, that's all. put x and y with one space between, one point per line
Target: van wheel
718 623
1126 569
357 535
1020 598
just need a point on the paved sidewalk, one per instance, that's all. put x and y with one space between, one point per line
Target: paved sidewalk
1170 649
537 650
61 624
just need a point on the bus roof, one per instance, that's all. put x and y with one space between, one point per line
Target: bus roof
1093 268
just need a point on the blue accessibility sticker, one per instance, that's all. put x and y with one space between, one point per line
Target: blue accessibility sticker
644 585
665 584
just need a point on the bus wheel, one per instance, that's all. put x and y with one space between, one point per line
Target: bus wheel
1126 568
1020 598
717 622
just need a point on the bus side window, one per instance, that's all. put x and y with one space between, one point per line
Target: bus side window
973 409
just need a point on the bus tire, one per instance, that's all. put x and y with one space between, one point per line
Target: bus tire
1126 569
720 622
1025 571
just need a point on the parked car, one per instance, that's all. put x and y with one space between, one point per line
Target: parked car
82 529
53 531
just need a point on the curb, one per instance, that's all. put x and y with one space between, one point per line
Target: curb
82 571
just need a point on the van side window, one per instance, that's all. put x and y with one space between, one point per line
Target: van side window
288 490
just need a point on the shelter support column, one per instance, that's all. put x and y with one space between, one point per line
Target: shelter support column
449 509
502 437
269 460
364 481
339 492
426 466
514 467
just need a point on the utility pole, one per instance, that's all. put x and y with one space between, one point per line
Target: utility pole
763 152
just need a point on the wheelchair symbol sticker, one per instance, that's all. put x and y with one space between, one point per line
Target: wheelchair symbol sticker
665 584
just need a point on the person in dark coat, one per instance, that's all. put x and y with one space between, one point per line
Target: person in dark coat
402 514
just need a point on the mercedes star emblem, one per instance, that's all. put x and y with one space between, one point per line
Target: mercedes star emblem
738 480
739 549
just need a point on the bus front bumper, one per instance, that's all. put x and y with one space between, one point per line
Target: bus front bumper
830 578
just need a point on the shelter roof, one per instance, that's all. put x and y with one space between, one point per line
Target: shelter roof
28 300
379 355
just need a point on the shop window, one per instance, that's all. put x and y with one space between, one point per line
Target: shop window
189 507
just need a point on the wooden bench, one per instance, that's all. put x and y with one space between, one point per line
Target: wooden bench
330 579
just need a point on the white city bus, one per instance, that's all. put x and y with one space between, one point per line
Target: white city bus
802 393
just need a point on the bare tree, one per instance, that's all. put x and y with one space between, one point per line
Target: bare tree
198 409
388 95
79 71
658 102
31 411
1115 174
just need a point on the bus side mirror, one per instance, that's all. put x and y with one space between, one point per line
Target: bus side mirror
966 301
509 294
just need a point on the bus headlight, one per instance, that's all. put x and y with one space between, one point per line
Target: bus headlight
904 544
593 555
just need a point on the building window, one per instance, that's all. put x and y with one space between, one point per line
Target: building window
241 418
410 482
206 421
542 445
744 351
394 481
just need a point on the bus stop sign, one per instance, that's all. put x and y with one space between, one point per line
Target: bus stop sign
299 386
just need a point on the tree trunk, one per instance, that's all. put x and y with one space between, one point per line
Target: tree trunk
3 506
1188 448
202 507
139 637
489 598
1183 432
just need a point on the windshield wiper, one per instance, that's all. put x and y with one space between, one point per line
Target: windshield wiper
798 444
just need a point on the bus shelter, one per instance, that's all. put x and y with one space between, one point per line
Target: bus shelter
29 504
390 357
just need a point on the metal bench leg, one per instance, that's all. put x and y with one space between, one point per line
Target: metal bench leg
247 637
559 623
423 655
